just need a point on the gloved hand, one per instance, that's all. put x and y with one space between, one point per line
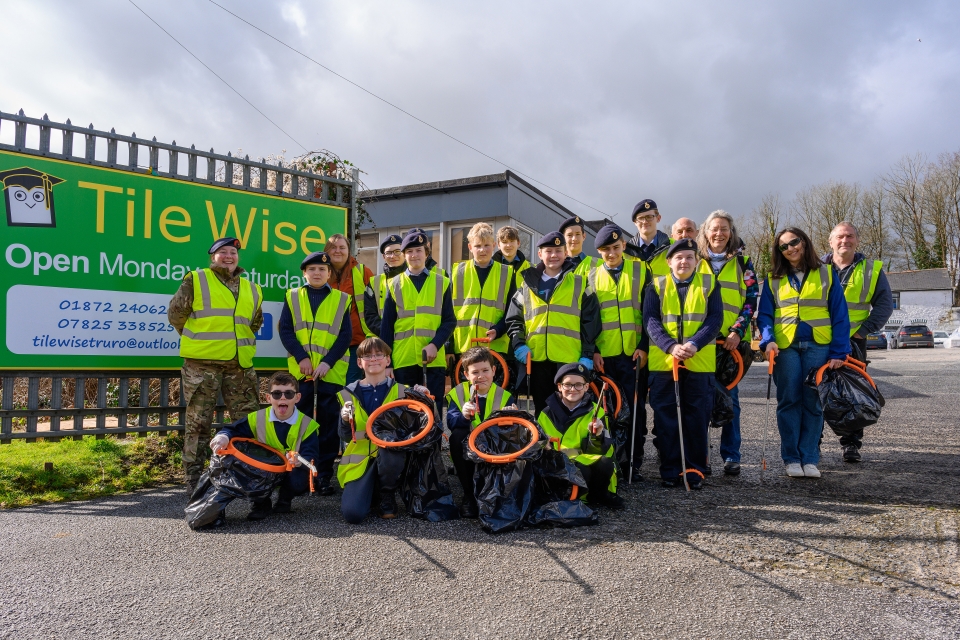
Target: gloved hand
219 441
587 362
469 410
520 353
419 388
347 411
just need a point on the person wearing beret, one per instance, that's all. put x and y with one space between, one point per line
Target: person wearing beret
650 244
574 234
619 284
553 317
418 319
431 264
682 312
315 329
577 427
211 304
376 293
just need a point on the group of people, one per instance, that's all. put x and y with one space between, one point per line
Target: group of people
649 314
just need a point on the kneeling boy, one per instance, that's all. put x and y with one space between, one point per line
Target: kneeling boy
469 404
568 420
284 428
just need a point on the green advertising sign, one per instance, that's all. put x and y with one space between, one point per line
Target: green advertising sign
92 256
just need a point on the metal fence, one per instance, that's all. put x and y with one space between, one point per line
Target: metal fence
108 406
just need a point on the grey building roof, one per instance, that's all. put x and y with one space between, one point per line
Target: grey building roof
921 280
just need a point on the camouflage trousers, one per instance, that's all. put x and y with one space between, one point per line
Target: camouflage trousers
203 382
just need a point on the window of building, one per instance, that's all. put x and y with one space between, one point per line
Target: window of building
526 244
459 245
896 299
368 250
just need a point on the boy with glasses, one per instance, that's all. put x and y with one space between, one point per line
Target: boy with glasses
577 427
285 428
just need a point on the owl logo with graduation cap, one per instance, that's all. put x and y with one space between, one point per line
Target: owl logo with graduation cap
28 196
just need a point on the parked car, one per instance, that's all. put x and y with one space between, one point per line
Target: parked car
914 335
876 341
940 338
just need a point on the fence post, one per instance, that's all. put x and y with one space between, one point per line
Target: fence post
45 136
67 150
354 200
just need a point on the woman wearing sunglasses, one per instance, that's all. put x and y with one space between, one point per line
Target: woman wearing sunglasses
804 322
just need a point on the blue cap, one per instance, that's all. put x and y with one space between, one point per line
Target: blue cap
608 235
682 245
317 257
391 239
552 239
413 239
572 369
643 207
575 221
224 242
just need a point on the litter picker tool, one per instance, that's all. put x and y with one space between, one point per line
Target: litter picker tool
596 411
294 456
633 432
676 391
423 357
766 419
529 392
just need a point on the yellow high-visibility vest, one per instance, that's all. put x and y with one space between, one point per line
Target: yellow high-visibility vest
570 442
358 290
553 329
810 305
621 307
479 309
219 328
266 432
495 400
418 318
318 333
692 316
360 450
733 289
859 291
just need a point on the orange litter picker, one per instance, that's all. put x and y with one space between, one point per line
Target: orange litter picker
766 419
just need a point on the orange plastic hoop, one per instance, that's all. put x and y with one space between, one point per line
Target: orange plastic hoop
230 450
616 393
503 421
405 403
692 470
500 361
739 360
848 363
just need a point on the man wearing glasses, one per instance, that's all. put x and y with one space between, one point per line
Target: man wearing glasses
650 244
376 293
315 329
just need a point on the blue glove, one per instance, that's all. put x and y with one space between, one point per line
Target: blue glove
587 362
521 352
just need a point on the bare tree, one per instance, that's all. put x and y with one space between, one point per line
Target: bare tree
819 208
904 186
873 222
759 230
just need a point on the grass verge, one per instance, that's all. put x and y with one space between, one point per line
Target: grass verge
84 469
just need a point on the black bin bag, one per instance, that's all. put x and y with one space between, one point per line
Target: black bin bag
532 490
229 478
722 414
849 401
425 488
621 423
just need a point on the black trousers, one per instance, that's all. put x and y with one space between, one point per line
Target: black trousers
465 468
856 438
436 380
597 476
382 475
541 383
696 406
623 370
328 417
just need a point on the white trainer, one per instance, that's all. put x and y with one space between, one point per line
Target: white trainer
794 470
811 471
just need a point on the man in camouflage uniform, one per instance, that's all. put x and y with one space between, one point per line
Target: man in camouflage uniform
214 361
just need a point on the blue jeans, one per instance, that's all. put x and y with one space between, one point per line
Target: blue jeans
354 372
730 434
799 414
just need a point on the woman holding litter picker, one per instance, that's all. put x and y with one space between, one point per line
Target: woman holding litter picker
804 324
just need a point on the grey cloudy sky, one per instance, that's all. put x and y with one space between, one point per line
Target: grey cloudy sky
698 105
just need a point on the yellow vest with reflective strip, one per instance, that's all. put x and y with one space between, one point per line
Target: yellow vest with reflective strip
360 450
518 274
859 291
571 440
810 306
418 318
621 309
553 329
477 309
692 316
378 285
358 290
588 263
317 334
495 400
658 263
219 326
733 289
266 432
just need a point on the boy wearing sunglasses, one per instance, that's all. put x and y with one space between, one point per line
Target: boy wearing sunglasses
576 426
284 428
469 404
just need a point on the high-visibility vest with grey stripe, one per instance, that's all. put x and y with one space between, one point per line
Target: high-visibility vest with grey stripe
358 290
479 309
219 327
859 289
266 432
809 305
733 289
418 318
586 265
553 328
360 450
683 324
571 441
378 286
495 400
621 307
316 334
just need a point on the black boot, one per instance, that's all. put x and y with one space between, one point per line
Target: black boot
261 509
388 505
469 508
324 488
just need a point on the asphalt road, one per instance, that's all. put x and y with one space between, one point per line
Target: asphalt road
869 551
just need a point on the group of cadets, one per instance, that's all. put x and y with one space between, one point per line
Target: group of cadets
649 314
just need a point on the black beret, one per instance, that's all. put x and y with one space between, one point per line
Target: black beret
575 221
682 245
608 235
224 242
413 239
415 230
552 239
391 239
572 369
644 206
317 257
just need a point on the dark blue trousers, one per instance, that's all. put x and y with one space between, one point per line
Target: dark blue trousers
436 380
696 406
328 417
382 475
623 370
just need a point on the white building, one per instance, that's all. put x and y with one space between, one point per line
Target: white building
923 295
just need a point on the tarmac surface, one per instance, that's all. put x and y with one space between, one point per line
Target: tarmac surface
869 551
